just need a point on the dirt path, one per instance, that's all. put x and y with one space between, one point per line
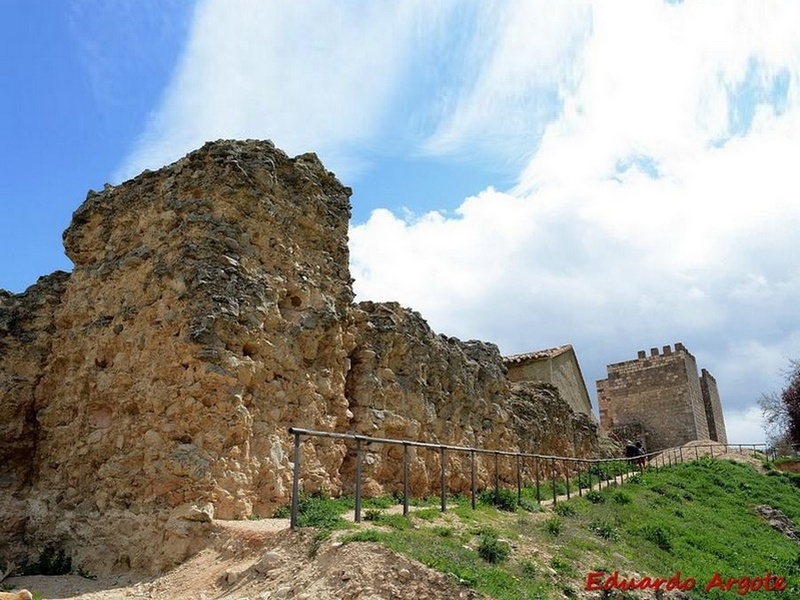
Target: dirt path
265 560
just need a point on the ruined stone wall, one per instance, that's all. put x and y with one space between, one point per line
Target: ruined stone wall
713 407
206 314
659 394
209 309
26 327
407 382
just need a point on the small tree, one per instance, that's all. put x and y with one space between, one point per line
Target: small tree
781 411
791 400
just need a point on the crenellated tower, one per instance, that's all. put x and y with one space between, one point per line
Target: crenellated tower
661 400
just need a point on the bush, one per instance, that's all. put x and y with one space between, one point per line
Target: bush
553 525
621 497
604 530
317 510
659 536
504 499
50 562
564 510
595 497
372 514
491 549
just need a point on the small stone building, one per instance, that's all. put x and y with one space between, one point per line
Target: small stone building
661 400
557 366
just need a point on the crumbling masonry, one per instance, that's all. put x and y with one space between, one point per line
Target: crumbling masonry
661 400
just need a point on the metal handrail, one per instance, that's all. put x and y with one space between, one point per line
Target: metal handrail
641 461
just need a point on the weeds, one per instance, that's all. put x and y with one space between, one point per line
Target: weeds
603 529
491 549
51 561
595 497
564 509
553 525
503 499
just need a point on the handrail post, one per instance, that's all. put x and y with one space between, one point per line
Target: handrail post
538 490
444 482
519 480
553 477
496 479
566 475
580 491
472 476
681 451
405 479
295 483
696 454
357 516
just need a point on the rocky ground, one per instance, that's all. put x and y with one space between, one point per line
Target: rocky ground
259 560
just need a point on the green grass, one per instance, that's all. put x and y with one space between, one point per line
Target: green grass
696 518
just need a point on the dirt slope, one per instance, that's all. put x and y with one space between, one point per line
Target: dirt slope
257 560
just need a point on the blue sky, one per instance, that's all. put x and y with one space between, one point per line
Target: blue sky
613 175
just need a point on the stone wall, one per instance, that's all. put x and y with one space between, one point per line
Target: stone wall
713 407
557 366
660 395
209 309
26 327
407 382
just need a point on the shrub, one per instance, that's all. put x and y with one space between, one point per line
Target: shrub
553 525
51 561
604 530
372 514
315 510
491 549
659 536
564 510
503 499
443 531
595 497
621 497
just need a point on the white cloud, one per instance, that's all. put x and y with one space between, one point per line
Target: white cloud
312 76
744 426
520 60
694 242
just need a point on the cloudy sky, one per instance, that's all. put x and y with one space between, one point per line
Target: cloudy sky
614 175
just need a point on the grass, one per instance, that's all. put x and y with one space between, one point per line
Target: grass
696 518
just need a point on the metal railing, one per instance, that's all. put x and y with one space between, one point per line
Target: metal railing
601 467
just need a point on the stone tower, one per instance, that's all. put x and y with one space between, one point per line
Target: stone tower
661 400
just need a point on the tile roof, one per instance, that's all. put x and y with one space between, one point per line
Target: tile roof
537 355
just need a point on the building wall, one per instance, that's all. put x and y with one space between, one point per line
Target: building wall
660 393
561 370
713 407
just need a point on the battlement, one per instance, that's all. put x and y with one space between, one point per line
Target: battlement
666 351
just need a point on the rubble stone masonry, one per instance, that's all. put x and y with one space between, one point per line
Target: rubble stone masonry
210 308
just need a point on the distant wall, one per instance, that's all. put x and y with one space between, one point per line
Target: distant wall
713 407
558 367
